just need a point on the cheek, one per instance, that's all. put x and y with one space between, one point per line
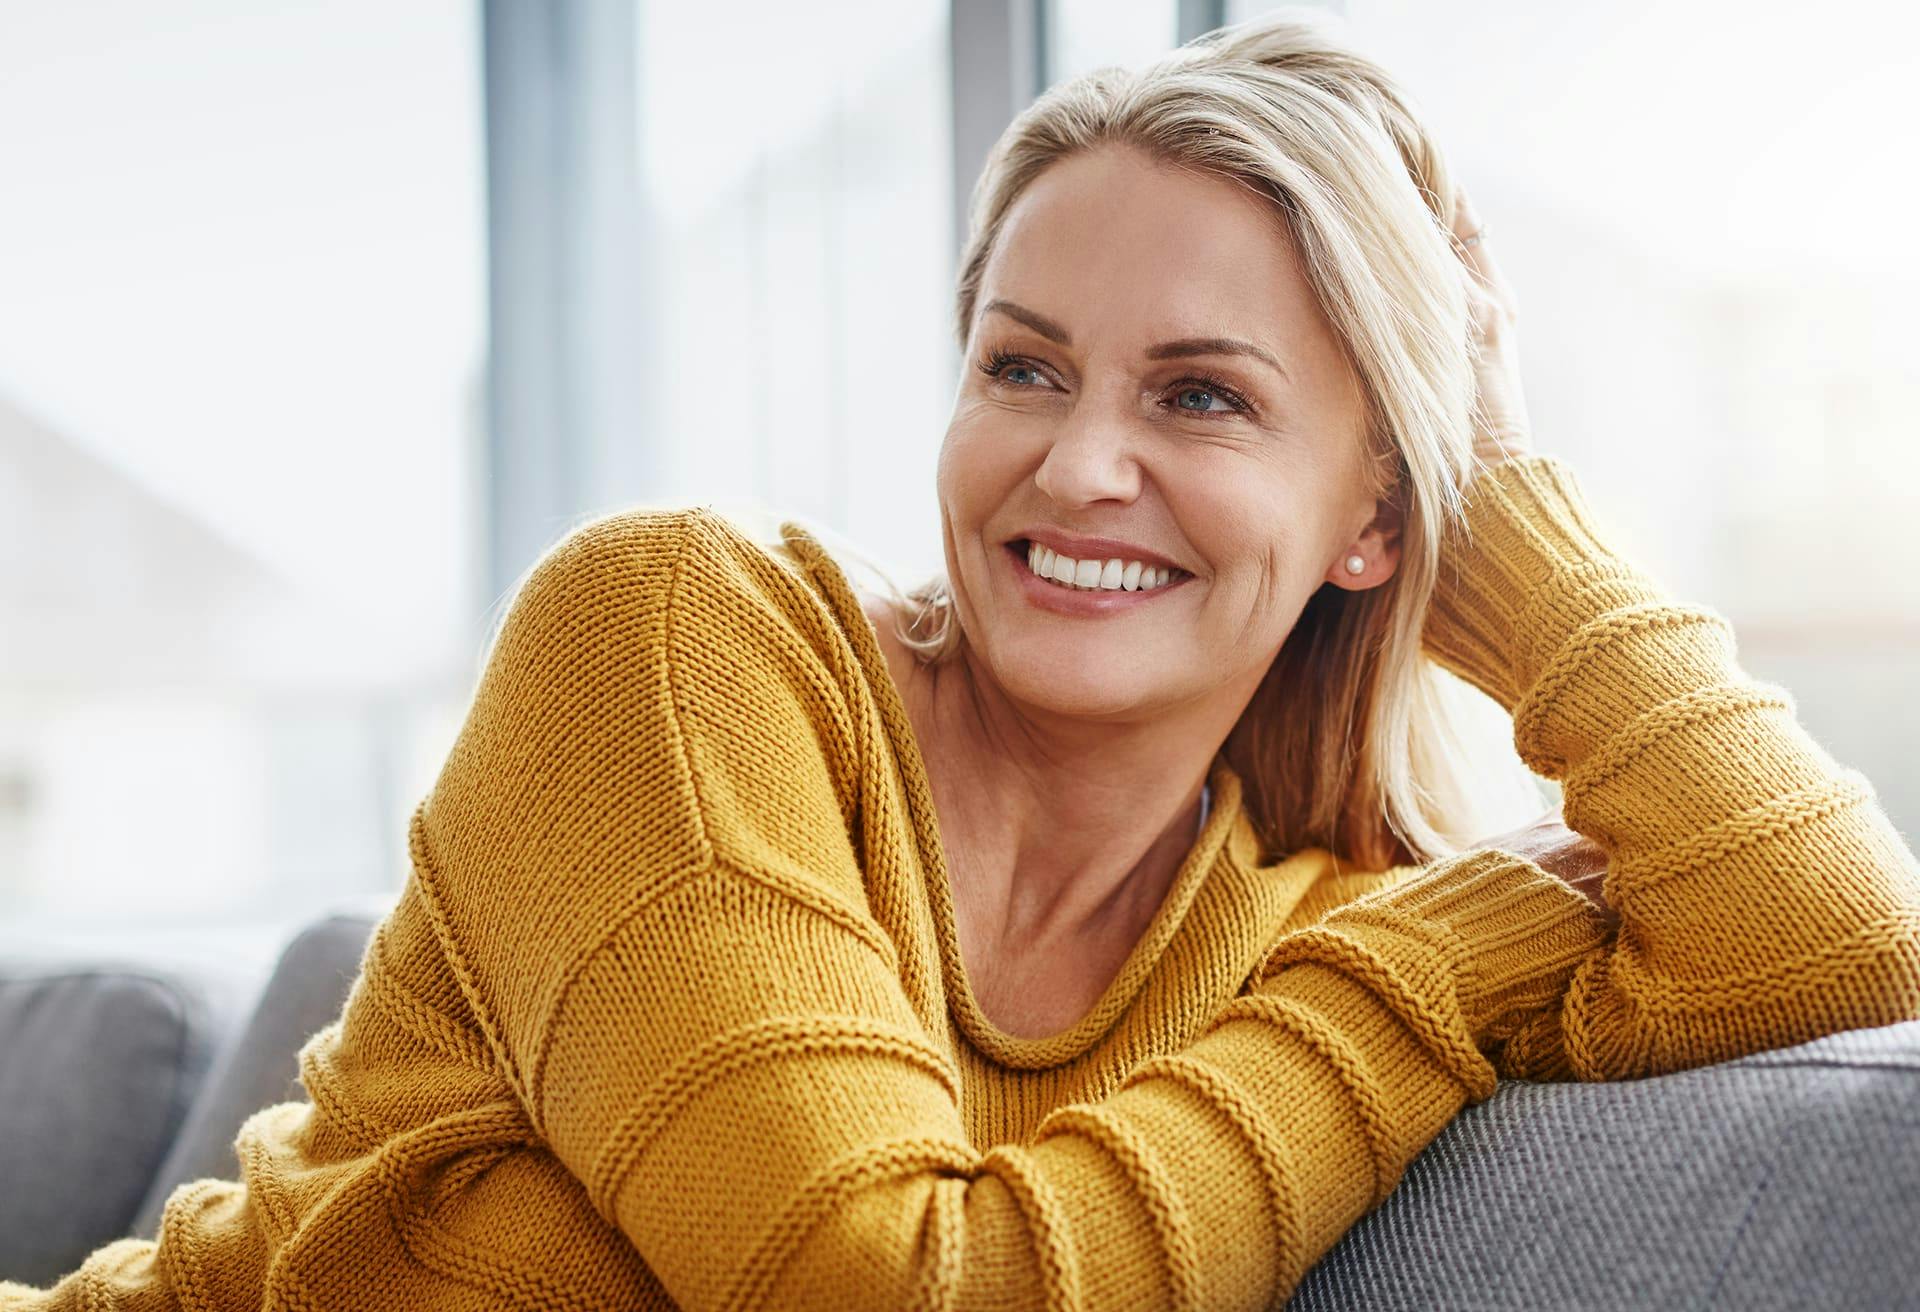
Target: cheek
1274 588
1245 526
960 455
976 465
1266 576
1259 545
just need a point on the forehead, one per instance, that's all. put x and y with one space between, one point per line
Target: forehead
1113 239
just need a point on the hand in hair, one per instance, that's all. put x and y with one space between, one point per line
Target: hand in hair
1500 427
1567 855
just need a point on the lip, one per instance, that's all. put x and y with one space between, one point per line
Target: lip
1071 601
1075 548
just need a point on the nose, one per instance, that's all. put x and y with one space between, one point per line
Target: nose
1091 458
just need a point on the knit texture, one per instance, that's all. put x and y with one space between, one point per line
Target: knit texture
671 1012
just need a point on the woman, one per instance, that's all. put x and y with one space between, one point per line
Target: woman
1087 944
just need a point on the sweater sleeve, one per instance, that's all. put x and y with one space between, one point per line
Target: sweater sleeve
1765 898
642 861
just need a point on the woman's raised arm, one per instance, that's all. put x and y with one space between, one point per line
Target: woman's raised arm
1764 897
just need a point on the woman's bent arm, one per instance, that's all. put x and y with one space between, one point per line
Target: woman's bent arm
1764 896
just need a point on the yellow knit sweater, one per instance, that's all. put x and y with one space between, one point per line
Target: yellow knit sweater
671 1012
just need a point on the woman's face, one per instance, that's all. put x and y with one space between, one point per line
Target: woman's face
1163 378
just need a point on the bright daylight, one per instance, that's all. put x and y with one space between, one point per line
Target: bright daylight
1059 654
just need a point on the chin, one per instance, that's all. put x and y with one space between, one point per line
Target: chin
1104 685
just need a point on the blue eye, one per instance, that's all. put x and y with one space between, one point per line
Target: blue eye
1220 390
998 360
1199 391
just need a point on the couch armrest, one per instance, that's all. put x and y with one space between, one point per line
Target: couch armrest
1784 1179
259 1065
98 1067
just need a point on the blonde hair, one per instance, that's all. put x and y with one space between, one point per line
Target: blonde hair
1354 740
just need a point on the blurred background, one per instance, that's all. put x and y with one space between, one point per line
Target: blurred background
318 322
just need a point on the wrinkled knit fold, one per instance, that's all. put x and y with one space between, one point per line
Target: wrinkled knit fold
671 1012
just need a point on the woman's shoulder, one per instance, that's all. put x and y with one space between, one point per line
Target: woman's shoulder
691 557
648 708
777 551
743 596
669 626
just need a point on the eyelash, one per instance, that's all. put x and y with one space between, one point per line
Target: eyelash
996 360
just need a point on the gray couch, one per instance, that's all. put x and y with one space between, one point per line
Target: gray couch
1789 1179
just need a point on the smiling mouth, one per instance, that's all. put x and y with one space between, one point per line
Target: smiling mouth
1115 576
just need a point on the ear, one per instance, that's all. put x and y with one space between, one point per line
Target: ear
1378 544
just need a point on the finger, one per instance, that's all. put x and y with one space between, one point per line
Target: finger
1477 257
1466 223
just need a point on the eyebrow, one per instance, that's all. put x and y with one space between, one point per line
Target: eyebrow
1186 346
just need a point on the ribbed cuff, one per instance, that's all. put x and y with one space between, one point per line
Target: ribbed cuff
1506 934
1529 566
1523 929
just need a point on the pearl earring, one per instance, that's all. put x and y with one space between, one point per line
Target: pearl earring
1356 565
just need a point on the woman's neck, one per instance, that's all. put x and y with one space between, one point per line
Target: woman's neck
1055 827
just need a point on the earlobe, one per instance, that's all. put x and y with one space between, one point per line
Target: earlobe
1354 570
1376 554
1350 570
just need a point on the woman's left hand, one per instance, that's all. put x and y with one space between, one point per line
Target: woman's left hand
1563 853
1500 427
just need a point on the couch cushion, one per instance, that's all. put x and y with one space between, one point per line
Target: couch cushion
259 1065
97 1069
1787 1179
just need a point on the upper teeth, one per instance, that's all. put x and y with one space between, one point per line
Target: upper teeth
1114 575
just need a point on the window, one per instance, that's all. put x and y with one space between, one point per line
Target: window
241 346
1700 208
804 263
1089 34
